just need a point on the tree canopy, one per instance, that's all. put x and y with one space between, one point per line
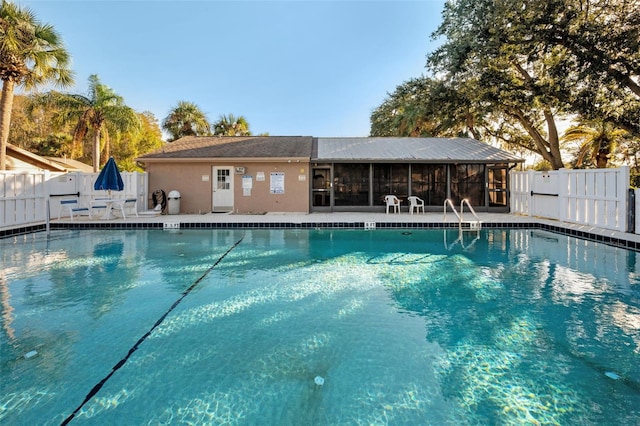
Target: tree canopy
509 71
101 113
31 53
186 119
229 125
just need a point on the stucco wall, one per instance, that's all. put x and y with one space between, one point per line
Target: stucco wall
195 182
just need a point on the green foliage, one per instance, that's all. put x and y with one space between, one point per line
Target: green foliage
602 40
229 125
542 166
424 107
127 146
97 115
31 53
507 71
186 119
54 145
597 142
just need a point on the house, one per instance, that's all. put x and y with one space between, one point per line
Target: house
258 174
19 159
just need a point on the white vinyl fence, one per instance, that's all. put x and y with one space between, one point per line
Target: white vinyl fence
24 195
590 197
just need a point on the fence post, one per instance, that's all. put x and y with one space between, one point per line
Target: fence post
623 206
563 194
529 196
631 211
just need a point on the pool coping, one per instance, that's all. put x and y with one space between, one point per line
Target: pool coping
335 221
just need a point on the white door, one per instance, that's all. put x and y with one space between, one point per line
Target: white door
222 199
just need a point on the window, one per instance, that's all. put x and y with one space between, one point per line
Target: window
429 182
390 179
351 184
467 181
224 179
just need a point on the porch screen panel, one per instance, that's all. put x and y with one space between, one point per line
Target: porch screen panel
468 181
390 179
351 184
429 182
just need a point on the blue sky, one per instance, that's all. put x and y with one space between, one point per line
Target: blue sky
315 68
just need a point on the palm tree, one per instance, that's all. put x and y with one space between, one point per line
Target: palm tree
101 111
598 141
228 125
31 53
186 119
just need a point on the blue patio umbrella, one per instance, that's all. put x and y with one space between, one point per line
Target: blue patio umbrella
109 178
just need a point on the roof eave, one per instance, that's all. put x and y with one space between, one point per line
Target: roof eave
221 159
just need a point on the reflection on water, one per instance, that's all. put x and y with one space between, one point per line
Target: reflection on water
519 327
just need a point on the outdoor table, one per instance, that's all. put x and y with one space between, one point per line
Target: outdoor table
108 203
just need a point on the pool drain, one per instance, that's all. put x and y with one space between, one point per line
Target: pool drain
319 380
30 354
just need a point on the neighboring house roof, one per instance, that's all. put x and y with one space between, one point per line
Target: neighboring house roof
434 150
194 148
19 159
71 165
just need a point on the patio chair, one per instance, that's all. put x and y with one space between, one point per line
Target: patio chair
72 206
415 203
99 204
129 203
392 201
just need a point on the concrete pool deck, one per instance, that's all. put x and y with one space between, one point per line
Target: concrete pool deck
348 220
335 220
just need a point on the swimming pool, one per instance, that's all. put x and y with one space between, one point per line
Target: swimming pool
237 326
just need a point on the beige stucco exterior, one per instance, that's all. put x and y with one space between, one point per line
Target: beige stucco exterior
194 180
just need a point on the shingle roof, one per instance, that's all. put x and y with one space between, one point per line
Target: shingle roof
234 147
436 150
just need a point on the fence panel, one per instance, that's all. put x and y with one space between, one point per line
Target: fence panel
590 197
544 194
519 188
23 195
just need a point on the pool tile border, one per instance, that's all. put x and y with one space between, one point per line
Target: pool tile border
590 236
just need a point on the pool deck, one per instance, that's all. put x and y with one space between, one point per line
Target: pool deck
358 220
350 220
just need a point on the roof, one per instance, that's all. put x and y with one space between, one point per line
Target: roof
21 159
196 147
434 150
71 165
387 149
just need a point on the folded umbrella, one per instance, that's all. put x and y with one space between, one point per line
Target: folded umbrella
109 178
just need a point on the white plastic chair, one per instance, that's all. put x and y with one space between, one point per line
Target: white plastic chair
392 201
415 203
129 203
72 206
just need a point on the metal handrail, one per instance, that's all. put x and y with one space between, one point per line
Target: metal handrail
473 212
449 202
477 222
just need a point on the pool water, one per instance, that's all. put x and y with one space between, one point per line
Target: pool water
237 326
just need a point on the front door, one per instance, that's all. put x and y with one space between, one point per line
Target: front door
321 187
497 186
222 199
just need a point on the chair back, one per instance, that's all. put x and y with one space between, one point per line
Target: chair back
391 199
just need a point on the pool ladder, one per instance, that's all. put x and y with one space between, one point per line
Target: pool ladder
463 225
